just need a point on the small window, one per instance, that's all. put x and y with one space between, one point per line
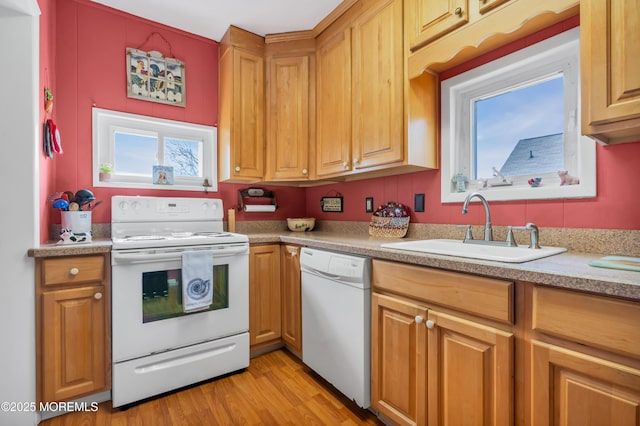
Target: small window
516 119
133 144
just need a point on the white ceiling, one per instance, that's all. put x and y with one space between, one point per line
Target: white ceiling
211 18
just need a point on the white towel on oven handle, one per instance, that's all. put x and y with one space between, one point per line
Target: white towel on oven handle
197 280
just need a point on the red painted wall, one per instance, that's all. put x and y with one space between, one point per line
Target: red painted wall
616 206
83 58
89 42
47 74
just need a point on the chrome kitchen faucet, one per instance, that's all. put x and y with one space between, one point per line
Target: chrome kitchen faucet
510 241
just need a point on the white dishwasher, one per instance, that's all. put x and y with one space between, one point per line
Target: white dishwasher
336 320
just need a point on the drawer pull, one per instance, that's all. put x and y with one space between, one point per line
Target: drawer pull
74 271
97 296
430 324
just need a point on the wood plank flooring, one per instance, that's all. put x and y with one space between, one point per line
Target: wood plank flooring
276 389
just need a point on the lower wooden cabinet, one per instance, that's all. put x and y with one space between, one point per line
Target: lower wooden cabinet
72 331
435 368
264 294
398 360
585 359
433 365
470 372
291 298
571 388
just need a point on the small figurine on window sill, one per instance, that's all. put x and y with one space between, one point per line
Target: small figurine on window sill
460 180
535 182
567 179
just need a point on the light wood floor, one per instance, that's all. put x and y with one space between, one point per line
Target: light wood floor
276 389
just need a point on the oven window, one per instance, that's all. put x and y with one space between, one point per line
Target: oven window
162 293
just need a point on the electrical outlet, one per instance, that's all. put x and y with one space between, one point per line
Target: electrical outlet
418 203
368 204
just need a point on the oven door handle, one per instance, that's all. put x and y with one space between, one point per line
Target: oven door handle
153 256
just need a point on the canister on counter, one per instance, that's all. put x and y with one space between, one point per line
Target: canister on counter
231 220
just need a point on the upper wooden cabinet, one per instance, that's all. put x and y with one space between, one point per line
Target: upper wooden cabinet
290 106
445 33
333 141
610 64
241 134
362 121
377 86
429 19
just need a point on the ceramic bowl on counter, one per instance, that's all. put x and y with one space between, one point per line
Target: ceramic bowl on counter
301 224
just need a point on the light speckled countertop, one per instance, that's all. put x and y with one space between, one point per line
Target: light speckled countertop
567 270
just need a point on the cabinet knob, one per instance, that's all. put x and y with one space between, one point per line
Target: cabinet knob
418 319
97 296
356 161
304 171
237 168
430 324
346 165
74 271
458 11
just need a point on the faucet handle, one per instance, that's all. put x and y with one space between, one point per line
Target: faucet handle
534 234
468 236
510 240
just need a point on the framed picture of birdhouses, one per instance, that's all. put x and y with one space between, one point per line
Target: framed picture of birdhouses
152 77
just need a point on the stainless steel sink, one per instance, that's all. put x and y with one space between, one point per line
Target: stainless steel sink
517 254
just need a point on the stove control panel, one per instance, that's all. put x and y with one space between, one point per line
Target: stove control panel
136 208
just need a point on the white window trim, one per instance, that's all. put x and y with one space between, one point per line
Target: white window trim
106 122
519 66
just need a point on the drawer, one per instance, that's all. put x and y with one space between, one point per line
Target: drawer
596 321
72 269
486 297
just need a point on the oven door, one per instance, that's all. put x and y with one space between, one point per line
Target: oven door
147 312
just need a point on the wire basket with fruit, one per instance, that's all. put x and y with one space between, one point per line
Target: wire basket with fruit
390 220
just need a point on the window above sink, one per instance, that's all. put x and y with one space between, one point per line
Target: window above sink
516 119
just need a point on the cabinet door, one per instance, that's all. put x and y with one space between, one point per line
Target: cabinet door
288 122
241 124
291 297
73 342
264 293
471 370
610 65
398 360
570 388
377 85
430 19
333 95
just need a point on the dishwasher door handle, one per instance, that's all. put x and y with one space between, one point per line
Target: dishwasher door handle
323 274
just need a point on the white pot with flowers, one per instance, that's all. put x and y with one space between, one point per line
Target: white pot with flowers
105 172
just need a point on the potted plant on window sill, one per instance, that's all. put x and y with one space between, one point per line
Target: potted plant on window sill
105 172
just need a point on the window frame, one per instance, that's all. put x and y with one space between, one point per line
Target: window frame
105 123
560 53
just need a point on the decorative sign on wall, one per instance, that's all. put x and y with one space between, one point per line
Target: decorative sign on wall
152 77
331 204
